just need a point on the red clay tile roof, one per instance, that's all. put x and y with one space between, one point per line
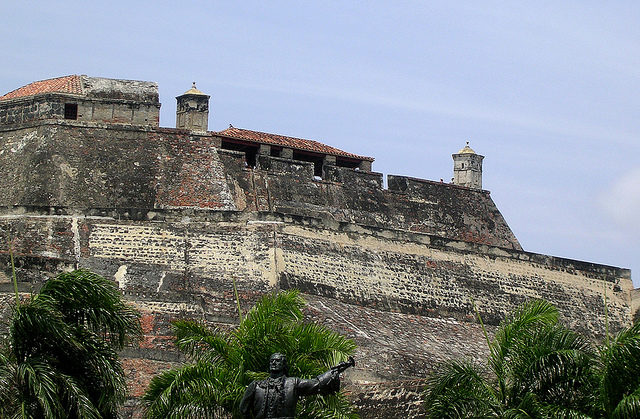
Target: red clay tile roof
66 84
290 142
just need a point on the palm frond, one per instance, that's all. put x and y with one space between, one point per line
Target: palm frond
619 369
199 386
517 326
60 359
77 399
540 369
628 406
197 340
527 407
37 382
86 298
556 365
282 307
37 326
552 411
100 372
322 344
457 389
8 384
335 406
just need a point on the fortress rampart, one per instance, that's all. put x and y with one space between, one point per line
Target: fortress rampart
88 165
174 215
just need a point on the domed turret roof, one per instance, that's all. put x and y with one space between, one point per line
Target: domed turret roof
193 91
467 150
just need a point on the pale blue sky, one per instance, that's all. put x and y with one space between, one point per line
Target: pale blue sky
548 91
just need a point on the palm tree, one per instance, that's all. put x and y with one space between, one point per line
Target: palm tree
224 363
536 368
60 358
618 370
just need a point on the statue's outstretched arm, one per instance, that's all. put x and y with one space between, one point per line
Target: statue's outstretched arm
328 382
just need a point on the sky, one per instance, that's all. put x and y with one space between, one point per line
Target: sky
547 91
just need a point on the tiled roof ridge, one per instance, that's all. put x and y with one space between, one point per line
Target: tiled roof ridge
65 84
288 141
269 134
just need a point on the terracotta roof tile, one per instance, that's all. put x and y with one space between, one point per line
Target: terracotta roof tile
67 84
290 142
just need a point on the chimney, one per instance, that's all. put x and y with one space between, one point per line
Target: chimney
192 110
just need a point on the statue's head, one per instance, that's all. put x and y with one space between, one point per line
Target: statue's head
278 364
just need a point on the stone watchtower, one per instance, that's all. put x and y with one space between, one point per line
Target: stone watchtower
467 168
192 112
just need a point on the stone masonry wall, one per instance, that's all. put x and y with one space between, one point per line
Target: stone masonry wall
88 165
50 106
175 221
405 298
101 100
409 204
382 269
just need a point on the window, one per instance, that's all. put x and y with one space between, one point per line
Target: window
70 111
275 151
249 150
346 162
316 159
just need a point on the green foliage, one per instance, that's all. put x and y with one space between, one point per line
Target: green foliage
60 358
224 363
619 374
537 368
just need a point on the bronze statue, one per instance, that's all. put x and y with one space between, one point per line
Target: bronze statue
277 396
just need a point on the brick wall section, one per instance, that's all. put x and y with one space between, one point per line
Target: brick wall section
57 164
438 281
33 108
196 173
410 204
60 165
450 211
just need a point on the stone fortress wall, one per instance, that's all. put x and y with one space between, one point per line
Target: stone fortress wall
174 218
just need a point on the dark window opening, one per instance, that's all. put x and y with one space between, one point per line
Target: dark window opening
70 111
351 164
275 151
316 160
249 151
